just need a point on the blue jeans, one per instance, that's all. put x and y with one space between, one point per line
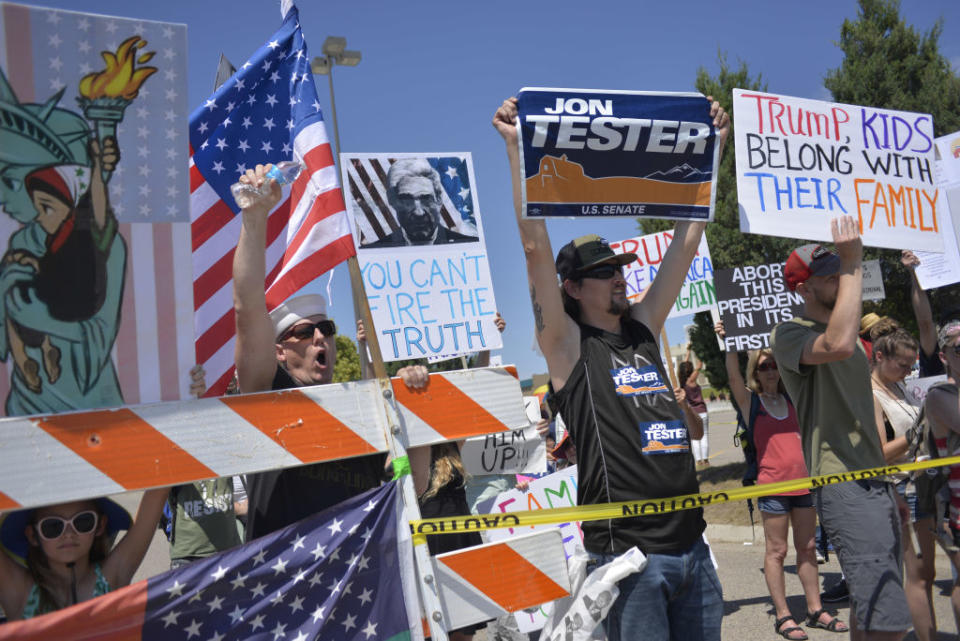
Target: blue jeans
676 597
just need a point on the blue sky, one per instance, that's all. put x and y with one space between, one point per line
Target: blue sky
434 72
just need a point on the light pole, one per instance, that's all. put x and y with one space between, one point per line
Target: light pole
334 53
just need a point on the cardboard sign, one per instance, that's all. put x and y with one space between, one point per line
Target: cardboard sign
556 490
917 388
103 319
801 163
594 153
751 301
938 270
515 452
697 293
873 281
422 253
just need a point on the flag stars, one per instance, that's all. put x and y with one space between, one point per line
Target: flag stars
273 44
218 167
210 104
278 631
370 630
170 94
85 68
216 637
169 115
451 171
111 26
364 563
83 47
298 543
143 151
262 554
266 146
144 170
243 146
296 605
219 573
202 127
170 75
463 193
170 619
241 84
279 567
349 622
169 54
83 24
251 99
257 622
266 65
192 630
336 526
277 598
370 506
177 588
53 17
353 529
142 111
168 32
258 590
366 596
231 105
301 575
242 168
172 153
54 40
56 63
145 209
293 100
269 124
275 76
236 615
247 123
221 144
318 614
301 637
172 172
143 132
316 579
319 552
271 99
216 603
227 122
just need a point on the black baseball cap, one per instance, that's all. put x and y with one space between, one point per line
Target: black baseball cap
586 252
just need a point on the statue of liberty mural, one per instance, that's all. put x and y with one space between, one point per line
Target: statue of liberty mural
62 275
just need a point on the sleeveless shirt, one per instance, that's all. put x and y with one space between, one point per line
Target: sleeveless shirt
100 587
631 440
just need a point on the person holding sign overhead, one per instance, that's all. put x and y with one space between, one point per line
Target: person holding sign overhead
631 431
826 372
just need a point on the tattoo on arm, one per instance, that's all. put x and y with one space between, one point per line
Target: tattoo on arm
537 310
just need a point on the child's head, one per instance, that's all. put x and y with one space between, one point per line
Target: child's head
66 533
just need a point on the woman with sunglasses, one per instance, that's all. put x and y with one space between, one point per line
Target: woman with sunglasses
772 419
60 555
894 352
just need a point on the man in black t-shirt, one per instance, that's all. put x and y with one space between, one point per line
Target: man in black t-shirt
293 346
631 430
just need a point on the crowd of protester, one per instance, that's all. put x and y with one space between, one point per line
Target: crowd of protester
827 397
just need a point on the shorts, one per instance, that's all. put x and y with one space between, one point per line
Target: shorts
784 503
910 497
863 523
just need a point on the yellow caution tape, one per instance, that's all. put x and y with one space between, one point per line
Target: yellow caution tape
626 509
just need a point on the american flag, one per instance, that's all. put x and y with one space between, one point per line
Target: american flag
344 574
366 177
268 111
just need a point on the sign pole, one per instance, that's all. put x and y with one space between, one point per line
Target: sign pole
666 352
399 442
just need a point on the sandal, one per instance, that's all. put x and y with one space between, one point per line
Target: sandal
813 621
786 632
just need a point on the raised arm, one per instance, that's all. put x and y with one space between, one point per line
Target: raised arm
557 334
652 311
839 340
255 352
921 306
125 558
738 387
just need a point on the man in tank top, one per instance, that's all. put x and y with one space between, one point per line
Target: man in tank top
631 433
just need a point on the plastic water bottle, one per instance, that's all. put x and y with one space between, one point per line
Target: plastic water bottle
284 173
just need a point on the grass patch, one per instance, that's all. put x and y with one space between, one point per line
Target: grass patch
725 477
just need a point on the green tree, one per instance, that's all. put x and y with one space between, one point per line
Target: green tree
888 63
347 367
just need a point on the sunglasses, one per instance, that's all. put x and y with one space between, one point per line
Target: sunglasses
766 366
302 332
602 272
52 527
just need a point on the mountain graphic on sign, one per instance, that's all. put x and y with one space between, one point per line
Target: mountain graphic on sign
562 181
680 173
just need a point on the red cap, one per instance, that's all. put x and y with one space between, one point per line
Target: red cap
809 260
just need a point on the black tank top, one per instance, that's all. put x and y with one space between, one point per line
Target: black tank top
631 440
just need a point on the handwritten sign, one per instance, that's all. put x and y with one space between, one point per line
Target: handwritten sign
595 153
556 490
917 388
421 252
697 293
751 300
938 270
515 452
803 162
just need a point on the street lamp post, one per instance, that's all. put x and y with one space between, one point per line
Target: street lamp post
334 53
